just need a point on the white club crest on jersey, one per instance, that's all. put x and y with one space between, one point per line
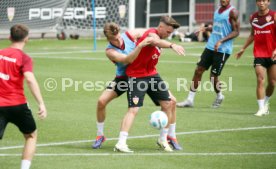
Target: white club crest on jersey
268 18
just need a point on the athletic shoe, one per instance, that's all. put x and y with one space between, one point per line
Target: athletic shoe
186 103
262 112
266 108
218 102
174 143
164 145
122 148
98 142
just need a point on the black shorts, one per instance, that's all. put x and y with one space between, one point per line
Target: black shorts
118 85
154 86
19 115
215 59
265 62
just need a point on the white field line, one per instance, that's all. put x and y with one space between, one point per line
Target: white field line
145 154
146 136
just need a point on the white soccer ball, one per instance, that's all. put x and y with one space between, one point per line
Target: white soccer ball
158 119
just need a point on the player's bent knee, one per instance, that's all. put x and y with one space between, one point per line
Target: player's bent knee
166 105
173 101
260 80
101 103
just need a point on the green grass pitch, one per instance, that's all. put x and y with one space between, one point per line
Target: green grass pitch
229 137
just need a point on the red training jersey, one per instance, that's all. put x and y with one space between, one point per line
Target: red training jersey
144 64
13 63
264 28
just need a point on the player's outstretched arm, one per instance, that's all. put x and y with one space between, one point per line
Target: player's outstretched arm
166 44
178 49
33 86
249 40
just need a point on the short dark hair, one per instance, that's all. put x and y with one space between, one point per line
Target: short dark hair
170 22
19 32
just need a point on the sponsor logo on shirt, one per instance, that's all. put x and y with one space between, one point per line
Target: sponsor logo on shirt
7 59
257 32
155 56
4 76
255 20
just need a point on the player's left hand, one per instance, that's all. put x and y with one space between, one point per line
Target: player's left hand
239 54
42 112
217 46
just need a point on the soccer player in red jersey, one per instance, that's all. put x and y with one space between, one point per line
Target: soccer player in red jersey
263 33
144 78
121 50
15 66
